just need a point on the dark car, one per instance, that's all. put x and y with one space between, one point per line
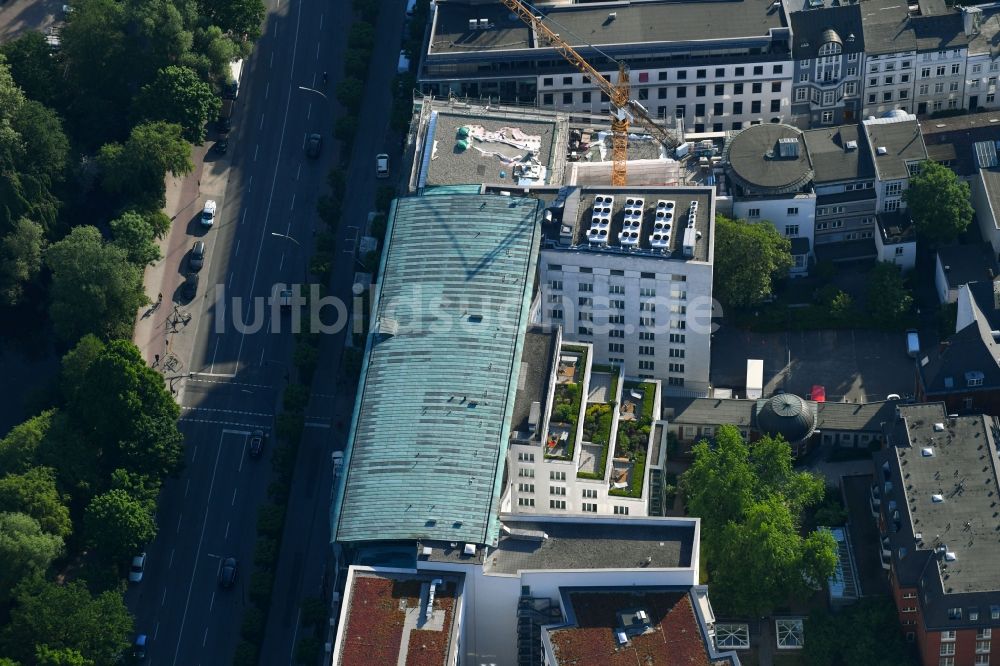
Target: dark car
139 647
222 146
224 124
197 258
314 144
227 572
190 288
257 438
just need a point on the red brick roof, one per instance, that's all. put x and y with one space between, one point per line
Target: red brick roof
377 612
676 638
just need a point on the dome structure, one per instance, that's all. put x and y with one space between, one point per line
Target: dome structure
768 159
830 36
787 415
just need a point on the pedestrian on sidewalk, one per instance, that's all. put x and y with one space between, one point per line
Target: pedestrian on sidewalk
156 360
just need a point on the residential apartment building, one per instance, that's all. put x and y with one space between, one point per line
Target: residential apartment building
712 66
897 149
828 48
629 270
981 24
933 499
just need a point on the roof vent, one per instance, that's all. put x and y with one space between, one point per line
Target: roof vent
850 37
473 24
621 637
937 499
938 427
788 146
851 145
470 549
950 556
427 551
881 150
927 452
643 616
612 16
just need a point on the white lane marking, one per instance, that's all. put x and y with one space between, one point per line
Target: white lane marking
237 253
201 539
280 264
211 369
156 630
274 179
263 348
233 503
227 531
243 218
321 22
205 639
236 432
187 486
317 50
180 518
309 110
224 411
196 376
309 424
163 599
323 395
291 656
171 562
225 423
250 184
230 285
211 603
194 454
298 173
292 207
271 64
288 229
243 455
261 121
255 149
267 90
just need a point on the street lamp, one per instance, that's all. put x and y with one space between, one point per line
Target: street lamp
313 90
305 272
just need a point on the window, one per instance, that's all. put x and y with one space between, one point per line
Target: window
775 105
616 289
777 69
983 647
646 365
756 88
682 91
758 70
904 78
647 307
899 251
888 81
803 77
526 487
682 74
947 649
852 71
974 83
982 633
851 88
645 350
940 70
567 98
852 57
584 316
925 72
954 613
873 81
953 86
557 504
717 109
681 110
556 313
755 106
526 501
586 301
616 304
584 330
956 68
585 287
905 65
557 490
887 96
995 612
871 98
720 71
720 89
616 333
555 285
776 86
616 348
982 660
738 87
793 211
616 319
737 108
701 73
557 476
678 338
946 661
526 457
894 187
675 381
675 367
801 94
904 94
621 510
827 117
547 81
739 71
526 472
791 230
589 493
647 336
947 635
589 507
891 205
804 63
547 99
922 90
753 213
699 110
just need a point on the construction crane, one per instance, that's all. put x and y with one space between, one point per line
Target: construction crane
624 109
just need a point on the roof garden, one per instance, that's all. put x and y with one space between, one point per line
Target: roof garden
400 620
598 420
560 440
635 422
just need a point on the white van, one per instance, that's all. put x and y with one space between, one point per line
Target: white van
208 213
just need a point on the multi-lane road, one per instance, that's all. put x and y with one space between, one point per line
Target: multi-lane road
210 511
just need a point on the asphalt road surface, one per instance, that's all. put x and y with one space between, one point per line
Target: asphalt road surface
210 512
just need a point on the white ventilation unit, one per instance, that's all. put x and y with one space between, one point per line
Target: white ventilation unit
950 556
927 452
937 499
473 24
484 24
690 237
470 549
600 219
629 235
851 145
938 427
882 150
662 224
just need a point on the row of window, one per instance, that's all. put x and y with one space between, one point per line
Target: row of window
851 57
588 507
978 67
646 336
558 314
614 272
680 74
874 67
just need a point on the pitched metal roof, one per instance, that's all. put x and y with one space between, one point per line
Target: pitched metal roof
816 27
432 417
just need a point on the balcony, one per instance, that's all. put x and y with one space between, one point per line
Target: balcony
560 438
885 554
598 420
635 420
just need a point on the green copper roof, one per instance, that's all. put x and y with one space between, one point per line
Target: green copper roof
432 419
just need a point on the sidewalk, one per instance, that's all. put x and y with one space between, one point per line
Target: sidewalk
157 326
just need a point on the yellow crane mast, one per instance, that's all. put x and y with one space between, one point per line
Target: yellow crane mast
623 108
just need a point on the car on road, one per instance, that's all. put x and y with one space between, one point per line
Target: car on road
912 343
139 647
381 165
197 258
190 287
314 144
227 571
221 146
137 569
257 439
208 213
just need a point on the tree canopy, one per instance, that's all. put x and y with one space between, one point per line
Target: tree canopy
34 493
178 95
94 287
748 256
136 169
75 364
20 259
750 500
865 633
888 299
939 203
65 617
18 448
46 656
118 525
25 549
134 234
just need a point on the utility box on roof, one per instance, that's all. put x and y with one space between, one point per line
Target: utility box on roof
755 378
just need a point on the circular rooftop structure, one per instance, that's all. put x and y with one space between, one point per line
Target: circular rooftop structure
769 159
787 415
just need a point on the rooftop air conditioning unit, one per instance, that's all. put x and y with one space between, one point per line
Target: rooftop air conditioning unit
473 24
881 150
484 24
470 549
851 145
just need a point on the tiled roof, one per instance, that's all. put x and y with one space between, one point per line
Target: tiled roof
432 418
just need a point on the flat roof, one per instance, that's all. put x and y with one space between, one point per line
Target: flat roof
593 543
674 635
967 263
584 25
900 135
499 141
431 422
949 495
755 163
985 39
579 204
832 159
386 619
533 377
887 27
954 138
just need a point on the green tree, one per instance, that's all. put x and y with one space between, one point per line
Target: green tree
46 148
135 236
159 222
748 256
20 259
939 203
751 501
118 525
18 448
75 364
94 288
74 458
178 95
67 617
25 549
34 493
136 169
132 419
141 487
864 633
888 299
240 17
350 92
33 68
46 656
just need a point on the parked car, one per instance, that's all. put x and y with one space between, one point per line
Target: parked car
137 569
208 213
382 166
190 288
314 144
227 572
221 146
257 438
197 257
139 647
912 343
